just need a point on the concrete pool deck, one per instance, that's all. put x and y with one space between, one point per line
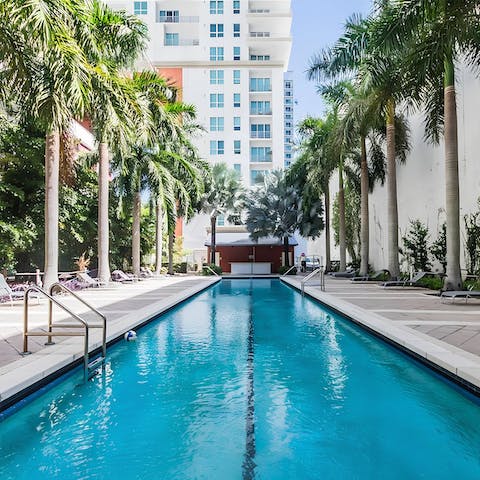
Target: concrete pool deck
125 306
445 335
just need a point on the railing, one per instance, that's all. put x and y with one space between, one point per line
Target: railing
259 10
60 286
289 270
252 112
260 135
320 271
259 34
179 19
81 323
211 270
187 42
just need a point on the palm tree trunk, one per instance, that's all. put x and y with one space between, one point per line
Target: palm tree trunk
213 241
285 250
364 226
103 226
393 265
341 220
52 166
328 256
171 240
453 280
158 236
136 213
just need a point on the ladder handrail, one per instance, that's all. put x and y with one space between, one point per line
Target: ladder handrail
289 270
92 308
311 275
35 288
211 269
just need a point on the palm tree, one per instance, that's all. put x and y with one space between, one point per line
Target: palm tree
358 54
438 35
314 168
276 208
116 39
223 195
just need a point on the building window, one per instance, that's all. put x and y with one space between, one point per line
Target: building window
236 6
288 148
236 124
288 155
236 53
288 116
236 30
140 8
216 100
288 84
237 147
260 85
172 39
236 77
216 54
217 124
217 147
261 58
236 100
237 167
260 130
221 220
256 176
288 109
260 108
169 16
216 30
288 101
260 154
217 77
216 7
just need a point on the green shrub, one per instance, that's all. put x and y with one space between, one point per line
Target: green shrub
471 285
283 270
215 268
415 246
433 283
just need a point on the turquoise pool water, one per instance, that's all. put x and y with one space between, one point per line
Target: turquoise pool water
247 380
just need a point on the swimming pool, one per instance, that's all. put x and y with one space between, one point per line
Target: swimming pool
248 380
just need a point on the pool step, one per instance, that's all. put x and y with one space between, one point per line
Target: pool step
95 365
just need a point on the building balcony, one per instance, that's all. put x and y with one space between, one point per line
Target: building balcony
260 135
182 19
263 114
182 42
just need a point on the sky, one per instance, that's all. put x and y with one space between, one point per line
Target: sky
316 24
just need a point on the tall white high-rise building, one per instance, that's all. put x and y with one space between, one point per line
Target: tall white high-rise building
228 57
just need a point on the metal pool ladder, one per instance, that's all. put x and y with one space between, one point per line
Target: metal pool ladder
320 271
89 367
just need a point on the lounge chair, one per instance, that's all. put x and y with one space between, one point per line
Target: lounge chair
17 292
374 277
145 272
88 281
466 294
121 276
407 282
345 274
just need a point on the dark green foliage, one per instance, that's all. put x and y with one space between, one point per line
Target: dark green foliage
433 283
439 248
206 272
472 242
284 269
21 196
352 224
415 246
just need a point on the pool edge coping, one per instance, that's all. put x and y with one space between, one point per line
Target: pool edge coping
18 379
459 366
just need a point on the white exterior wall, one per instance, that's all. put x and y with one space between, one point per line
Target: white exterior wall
264 30
421 180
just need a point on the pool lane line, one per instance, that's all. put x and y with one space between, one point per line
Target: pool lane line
248 467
